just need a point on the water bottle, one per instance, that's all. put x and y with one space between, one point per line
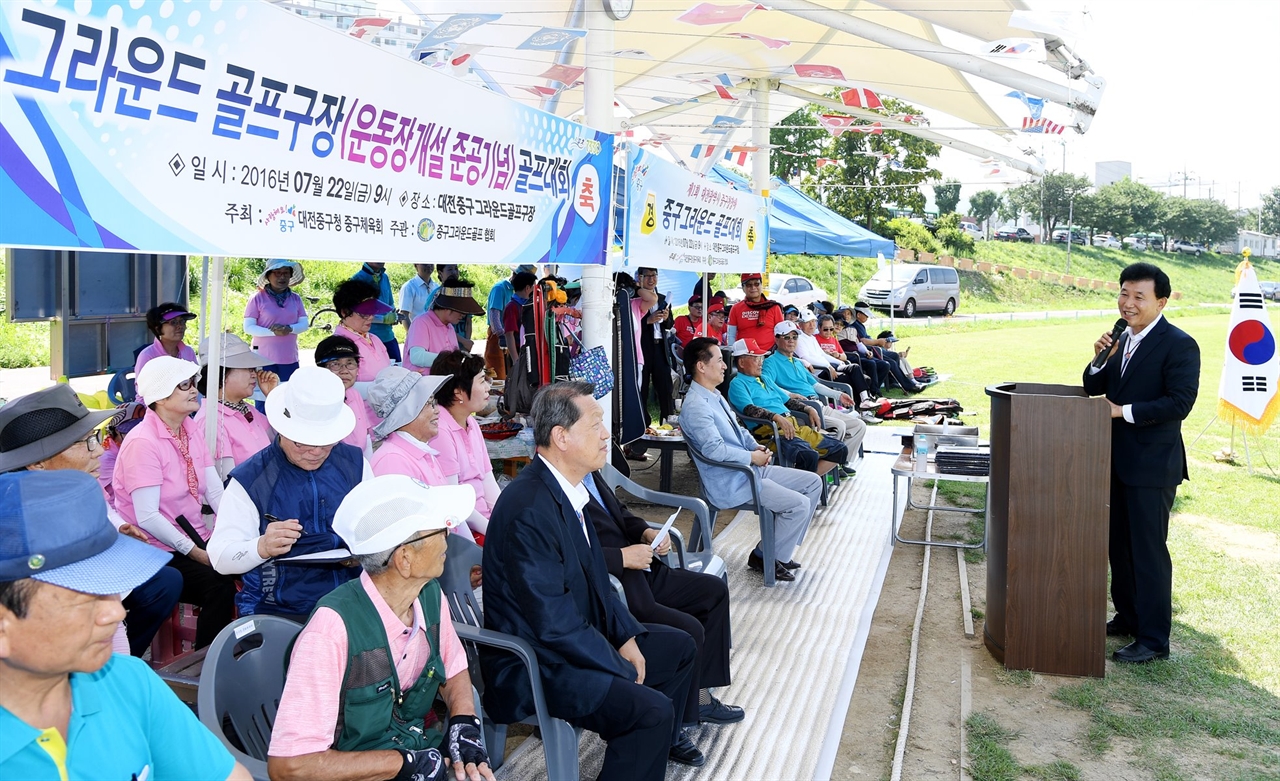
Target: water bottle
922 453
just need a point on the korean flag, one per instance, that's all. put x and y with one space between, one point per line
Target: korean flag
1251 367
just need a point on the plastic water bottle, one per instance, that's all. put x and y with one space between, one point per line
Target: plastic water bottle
922 453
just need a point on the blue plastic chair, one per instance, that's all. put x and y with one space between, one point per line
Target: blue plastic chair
559 738
767 533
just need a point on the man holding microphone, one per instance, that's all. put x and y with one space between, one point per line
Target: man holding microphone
1150 377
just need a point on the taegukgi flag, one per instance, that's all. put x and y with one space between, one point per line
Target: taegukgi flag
1251 367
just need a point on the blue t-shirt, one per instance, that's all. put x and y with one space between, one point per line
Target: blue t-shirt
499 297
745 390
789 374
124 721
384 328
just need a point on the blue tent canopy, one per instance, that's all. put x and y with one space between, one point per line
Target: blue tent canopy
800 225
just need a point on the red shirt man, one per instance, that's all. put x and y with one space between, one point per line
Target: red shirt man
754 317
685 327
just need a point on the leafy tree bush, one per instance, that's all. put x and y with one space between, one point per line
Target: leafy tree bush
952 237
909 235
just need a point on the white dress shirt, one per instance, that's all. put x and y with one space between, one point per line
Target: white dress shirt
1131 343
578 496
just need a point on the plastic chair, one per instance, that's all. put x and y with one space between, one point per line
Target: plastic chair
241 683
121 387
767 533
705 559
675 357
559 738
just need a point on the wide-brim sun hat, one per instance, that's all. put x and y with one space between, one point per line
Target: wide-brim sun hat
379 514
310 408
41 425
397 395
159 376
80 550
236 354
457 297
371 306
294 280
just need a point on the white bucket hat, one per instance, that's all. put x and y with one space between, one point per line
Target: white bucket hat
159 376
397 395
379 514
311 408
275 263
236 354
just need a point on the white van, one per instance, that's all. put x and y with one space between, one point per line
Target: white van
911 288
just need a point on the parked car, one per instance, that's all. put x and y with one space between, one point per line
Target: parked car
786 289
910 288
1135 243
973 231
1015 234
1077 237
1104 240
1270 290
1188 248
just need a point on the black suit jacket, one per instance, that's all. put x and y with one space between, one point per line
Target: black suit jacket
646 329
624 528
545 584
1161 382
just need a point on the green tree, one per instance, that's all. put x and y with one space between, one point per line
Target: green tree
1203 221
804 138
982 205
947 196
1050 199
1127 206
952 237
1269 218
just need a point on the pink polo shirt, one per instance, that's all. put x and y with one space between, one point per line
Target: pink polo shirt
373 353
427 332
308 712
358 405
150 456
264 310
401 454
462 452
156 349
237 438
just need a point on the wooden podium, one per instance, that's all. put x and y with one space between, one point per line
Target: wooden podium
1047 525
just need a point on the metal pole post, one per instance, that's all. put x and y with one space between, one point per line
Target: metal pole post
597 299
213 299
760 157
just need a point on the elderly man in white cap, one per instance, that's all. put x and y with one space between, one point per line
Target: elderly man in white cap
280 503
69 708
376 651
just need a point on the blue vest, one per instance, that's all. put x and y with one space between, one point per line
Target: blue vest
279 488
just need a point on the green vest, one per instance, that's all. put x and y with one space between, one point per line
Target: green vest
373 713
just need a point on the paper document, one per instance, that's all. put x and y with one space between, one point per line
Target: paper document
666 527
321 557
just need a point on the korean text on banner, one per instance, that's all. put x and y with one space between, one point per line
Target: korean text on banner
680 221
239 128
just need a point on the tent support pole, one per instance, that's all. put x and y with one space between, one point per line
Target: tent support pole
666 111
597 303
212 299
204 294
760 158
1035 169
1083 98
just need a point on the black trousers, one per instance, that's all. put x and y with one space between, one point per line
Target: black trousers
639 723
148 606
1141 571
213 593
657 373
694 602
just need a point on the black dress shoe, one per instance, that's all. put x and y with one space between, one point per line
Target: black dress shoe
686 753
1137 653
791 564
1117 629
716 712
781 573
780 570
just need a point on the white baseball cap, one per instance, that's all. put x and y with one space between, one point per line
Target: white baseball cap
379 514
807 316
785 327
160 375
311 408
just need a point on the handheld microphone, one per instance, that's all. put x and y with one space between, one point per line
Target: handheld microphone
1101 359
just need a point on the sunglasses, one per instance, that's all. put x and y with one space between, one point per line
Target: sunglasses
828 330
187 384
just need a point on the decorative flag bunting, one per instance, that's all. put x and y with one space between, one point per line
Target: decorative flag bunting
625 134
540 91
710 13
809 71
839 124
361 27
1034 105
462 58
453 27
1030 125
664 99
994 172
633 54
657 139
740 152
1016 49
1248 394
723 124
702 150
551 39
825 161
769 43
910 119
874 129
860 98
565 74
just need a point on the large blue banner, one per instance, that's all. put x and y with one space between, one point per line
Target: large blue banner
239 128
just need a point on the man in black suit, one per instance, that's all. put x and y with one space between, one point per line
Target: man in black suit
654 326
695 602
546 581
1150 379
